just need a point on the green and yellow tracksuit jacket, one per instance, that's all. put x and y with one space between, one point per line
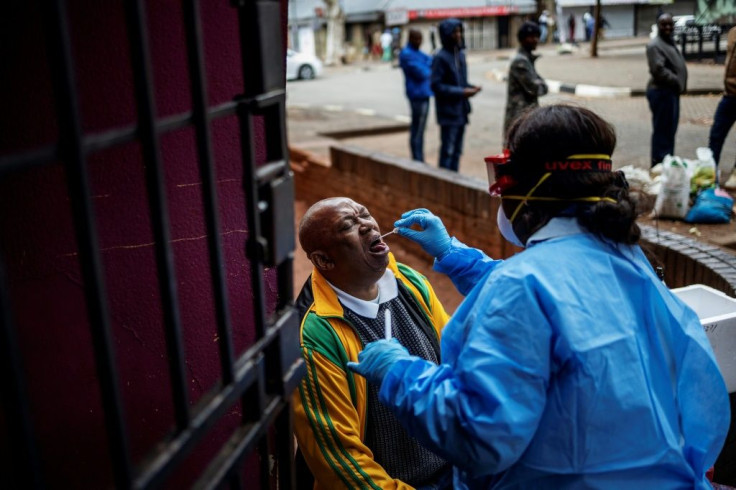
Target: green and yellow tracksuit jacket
330 403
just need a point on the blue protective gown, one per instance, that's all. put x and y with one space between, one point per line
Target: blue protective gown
569 365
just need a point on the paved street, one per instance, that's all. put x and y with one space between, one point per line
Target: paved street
370 95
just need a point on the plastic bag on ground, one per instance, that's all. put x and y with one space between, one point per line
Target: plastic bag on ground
703 170
711 206
673 200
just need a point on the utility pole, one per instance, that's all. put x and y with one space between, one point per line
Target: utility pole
294 26
596 24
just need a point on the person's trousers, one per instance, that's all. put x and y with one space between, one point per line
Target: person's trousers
722 121
419 111
665 106
451 146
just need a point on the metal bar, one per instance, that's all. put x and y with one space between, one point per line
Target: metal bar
209 189
213 406
256 244
264 460
245 439
101 141
26 468
65 98
28 159
136 25
235 479
225 109
271 170
285 284
261 102
276 131
94 142
285 448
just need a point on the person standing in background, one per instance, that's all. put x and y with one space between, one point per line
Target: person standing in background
543 20
725 114
433 37
524 85
571 27
417 67
668 80
386 40
451 90
588 23
552 33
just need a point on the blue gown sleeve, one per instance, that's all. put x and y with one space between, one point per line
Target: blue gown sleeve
481 407
465 266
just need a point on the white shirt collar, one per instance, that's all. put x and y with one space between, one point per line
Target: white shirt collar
387 290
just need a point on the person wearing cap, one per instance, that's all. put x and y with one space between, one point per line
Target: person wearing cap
570 364
449 83
346 438
525 86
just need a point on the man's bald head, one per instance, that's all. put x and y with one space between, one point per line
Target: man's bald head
315 221
343 241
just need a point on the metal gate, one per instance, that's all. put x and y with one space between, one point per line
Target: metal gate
263 377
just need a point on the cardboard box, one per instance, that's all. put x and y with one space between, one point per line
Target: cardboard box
717 313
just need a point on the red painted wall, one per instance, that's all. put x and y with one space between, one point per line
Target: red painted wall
38 245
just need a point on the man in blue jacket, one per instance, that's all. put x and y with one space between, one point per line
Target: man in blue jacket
451 89
417 68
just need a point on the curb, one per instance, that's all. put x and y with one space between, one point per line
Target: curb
597 91
583 90
401 119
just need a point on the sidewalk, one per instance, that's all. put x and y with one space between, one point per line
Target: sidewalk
620 70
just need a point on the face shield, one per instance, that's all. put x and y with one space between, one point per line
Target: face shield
502 171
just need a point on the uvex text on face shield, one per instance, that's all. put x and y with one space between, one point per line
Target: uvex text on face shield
503 170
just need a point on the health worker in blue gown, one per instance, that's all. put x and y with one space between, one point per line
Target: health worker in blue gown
569 365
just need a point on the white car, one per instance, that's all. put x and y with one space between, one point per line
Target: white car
685 26
302 65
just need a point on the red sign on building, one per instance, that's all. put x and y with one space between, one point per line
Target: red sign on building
462 12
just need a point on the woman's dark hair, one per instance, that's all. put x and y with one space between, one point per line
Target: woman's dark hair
553 133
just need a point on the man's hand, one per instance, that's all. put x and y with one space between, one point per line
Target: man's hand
470 91
433 237
377 358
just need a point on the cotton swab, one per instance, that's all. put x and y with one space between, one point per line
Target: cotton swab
387 234
387 325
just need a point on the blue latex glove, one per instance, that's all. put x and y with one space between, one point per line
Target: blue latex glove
377 358
433 238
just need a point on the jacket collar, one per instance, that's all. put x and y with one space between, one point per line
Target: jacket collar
528 54
326 302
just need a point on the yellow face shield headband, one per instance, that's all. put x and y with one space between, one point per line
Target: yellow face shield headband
580 166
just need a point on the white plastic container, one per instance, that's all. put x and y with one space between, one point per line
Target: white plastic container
717 313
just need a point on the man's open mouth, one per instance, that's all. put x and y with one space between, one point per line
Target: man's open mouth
378 246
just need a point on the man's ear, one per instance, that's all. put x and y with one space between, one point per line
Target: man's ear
321 261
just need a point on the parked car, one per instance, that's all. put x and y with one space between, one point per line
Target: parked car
302 66
685 26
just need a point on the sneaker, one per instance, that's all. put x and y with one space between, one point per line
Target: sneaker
731 182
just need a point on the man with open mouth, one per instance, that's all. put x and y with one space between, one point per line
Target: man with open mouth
346 437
